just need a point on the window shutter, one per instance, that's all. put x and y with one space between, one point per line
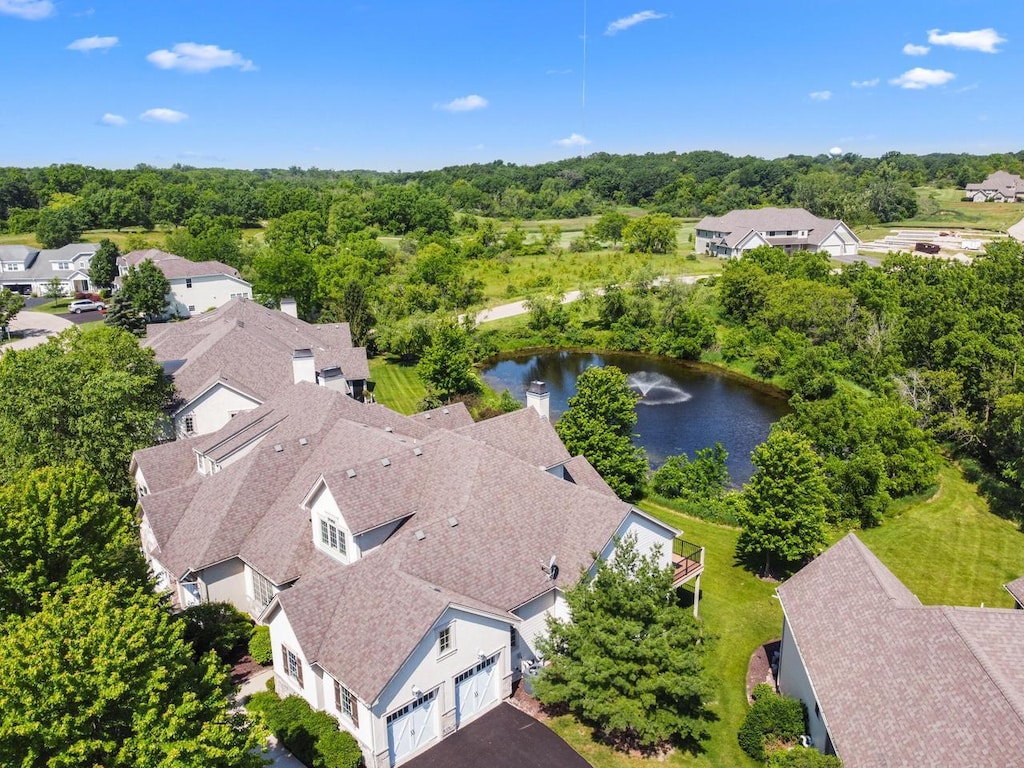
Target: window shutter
337 696
355 709
284 658
298 669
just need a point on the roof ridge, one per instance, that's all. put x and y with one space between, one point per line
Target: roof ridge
874 564
1014 699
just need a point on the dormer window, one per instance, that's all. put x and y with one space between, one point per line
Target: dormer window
61 265
332 537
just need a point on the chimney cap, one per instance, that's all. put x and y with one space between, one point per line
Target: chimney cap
537 388
302 353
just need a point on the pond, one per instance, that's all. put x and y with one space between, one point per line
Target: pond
682 408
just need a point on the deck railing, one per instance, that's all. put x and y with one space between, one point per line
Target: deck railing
688 559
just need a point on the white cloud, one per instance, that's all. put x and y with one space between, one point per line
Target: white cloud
558 72
626 22
163 115
984 40
573 140
464 104
915 50
865 83
193 57
919 78
110 118
94 43
820 95
31 10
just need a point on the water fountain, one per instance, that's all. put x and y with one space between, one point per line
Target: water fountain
656 389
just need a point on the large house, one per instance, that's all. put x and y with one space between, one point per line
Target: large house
32 271
999 187
888 681
405 565
792 229
237 357
196 286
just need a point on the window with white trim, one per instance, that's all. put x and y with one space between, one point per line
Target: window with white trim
262 589
190 425
188 282
513 637
446 640
333 537
292 664
346 703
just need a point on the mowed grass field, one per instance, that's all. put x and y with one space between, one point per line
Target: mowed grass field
397 385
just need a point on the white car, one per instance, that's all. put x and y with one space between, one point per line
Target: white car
85 305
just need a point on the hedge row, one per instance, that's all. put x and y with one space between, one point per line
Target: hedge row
313 737
771 718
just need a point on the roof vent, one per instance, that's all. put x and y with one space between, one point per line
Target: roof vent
351 473
453 521
428 415
417 451
389 429
445 411
303 441
278 448
385 462
420 535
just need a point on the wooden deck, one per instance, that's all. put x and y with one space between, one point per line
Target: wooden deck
688 560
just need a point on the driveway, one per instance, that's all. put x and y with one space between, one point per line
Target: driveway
503 738
34 328
1017 231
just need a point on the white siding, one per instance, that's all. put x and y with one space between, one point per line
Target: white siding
206 293
364 733
534 625
212 410
427 670
225 582
367 542
281 633
323 507
794 682
649 534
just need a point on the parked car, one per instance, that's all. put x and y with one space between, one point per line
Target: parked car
85 305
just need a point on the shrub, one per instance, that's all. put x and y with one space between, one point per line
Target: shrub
771 717
217 627
259 645
802 757
313 737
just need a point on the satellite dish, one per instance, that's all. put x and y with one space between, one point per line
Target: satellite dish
552 569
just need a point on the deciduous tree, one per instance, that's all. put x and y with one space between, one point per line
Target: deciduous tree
446 366
103 265
147 288
100 675
599 425
785 502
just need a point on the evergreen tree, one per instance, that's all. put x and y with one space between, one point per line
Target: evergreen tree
630 662
599 425
125 315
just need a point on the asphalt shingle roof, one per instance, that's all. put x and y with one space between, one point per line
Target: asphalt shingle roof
1016 588
738 224
902 684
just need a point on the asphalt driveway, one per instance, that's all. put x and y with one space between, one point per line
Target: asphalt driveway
503 738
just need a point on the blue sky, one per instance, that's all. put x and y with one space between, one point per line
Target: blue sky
415 85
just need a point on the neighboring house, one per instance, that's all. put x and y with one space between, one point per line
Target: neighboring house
888 681
999 187
235 358
196 286
792 229
30 270
1016 590
405 565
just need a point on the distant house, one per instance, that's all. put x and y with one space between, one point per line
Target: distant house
196 286
792 229
888 681
237 357
999 187
406 565
31 270
1016 590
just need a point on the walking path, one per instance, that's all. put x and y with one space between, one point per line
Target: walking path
278 756
519 307
35 328
1017 231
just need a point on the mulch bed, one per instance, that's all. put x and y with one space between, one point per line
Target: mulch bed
760 668
243 669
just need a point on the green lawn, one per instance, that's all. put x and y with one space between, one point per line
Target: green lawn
397 385
947 548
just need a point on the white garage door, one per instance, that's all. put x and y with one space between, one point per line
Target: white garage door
476 689
412 727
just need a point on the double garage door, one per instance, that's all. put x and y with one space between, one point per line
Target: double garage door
416 724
